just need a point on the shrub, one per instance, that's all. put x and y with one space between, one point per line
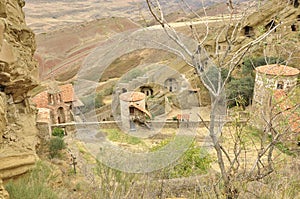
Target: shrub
55 146
58 132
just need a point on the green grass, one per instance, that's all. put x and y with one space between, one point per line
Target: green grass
33 185
116 136
194 161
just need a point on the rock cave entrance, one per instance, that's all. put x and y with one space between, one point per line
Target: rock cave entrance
147 90
296 3
271 25
248 31
171 84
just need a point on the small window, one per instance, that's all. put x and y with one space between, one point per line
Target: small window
50 99
280 85
294 28
124 90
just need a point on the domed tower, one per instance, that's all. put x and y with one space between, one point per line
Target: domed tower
133 109
269 80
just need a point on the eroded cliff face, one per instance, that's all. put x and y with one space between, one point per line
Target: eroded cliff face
18 75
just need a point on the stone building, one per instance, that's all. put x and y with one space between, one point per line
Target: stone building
60 101
269 81
133 109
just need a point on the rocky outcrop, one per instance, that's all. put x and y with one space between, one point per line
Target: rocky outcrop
18 75
3 193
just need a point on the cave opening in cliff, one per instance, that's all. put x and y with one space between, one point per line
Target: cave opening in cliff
296 3
248 31
272 24
2 88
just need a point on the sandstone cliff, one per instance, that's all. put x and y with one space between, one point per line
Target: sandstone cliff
18 75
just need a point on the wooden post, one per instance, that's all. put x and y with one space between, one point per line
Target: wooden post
74 162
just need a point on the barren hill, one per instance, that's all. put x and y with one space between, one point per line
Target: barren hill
46 15
64 50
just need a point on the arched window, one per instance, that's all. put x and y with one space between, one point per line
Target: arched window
50 99
59 98
61 118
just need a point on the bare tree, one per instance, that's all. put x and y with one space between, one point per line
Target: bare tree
232 54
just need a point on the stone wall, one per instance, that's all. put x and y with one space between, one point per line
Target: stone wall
18 75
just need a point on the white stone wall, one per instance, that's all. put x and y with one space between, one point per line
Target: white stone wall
125 115
267 83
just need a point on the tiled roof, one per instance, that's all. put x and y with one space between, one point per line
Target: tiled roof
41 100
276 69
66 91
132 96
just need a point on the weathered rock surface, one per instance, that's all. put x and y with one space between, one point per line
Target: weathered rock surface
18 75
3 192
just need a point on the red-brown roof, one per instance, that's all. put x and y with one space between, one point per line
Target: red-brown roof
276 69
132 96
41 100
66 91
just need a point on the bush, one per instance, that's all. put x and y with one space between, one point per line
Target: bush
55 146
58 132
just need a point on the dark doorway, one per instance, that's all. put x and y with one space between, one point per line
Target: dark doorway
132 126
61 115
294 28
131 110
